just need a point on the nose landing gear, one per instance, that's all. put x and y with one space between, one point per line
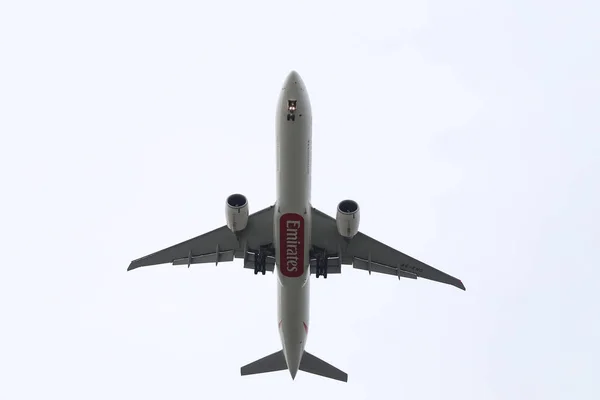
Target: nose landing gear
291 110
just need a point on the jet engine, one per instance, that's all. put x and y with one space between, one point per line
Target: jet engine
236 212
347 218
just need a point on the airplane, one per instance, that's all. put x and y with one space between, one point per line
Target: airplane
295 240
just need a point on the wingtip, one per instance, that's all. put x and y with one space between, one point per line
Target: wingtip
461 285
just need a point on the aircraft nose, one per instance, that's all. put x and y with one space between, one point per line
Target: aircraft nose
294 98
293 79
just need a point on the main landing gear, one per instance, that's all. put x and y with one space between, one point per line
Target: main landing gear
321 259
260 259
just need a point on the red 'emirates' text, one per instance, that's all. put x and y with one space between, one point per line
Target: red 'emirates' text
291 245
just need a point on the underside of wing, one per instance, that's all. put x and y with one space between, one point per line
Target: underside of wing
366 253
219 245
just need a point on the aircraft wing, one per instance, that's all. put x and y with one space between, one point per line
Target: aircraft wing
366 253
218 245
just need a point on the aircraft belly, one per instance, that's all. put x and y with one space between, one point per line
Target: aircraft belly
292 252
293 310
293 219
292 222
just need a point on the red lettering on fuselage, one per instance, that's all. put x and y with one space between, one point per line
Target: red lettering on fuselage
291 245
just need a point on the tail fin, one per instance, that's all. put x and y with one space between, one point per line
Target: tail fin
314 365
271 363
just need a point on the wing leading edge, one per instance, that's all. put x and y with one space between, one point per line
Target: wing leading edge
366 253
219 245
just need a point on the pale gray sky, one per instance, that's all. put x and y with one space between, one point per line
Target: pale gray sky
467 132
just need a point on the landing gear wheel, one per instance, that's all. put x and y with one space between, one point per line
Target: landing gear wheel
322 265
260 262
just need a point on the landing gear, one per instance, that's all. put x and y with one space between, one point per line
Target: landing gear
260 262
321 258
260 259
291 110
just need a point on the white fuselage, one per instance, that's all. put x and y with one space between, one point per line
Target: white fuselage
292 220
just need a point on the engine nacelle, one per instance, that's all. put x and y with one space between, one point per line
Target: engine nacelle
347 218
236 212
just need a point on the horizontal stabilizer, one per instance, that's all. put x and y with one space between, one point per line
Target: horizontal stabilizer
270 363
314 365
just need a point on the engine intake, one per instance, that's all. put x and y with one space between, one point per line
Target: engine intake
236 212
347 218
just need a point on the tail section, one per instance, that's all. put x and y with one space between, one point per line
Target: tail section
308 363
271 363
314 365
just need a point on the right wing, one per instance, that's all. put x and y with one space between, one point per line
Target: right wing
218 245
366 253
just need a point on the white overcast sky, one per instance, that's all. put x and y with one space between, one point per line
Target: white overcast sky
467 131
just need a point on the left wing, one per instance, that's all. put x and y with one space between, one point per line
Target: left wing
219 245
366 253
